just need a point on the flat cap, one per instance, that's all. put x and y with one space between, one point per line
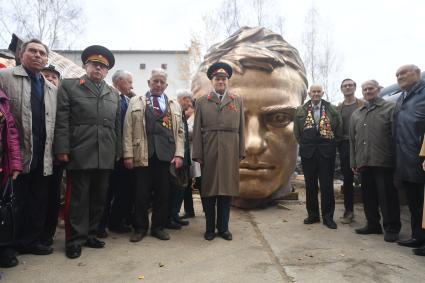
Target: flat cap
51 68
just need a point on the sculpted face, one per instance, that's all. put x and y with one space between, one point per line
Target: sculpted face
270 100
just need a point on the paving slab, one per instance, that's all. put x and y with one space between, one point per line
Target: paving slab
269 245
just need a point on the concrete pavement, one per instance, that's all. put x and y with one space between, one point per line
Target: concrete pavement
269 245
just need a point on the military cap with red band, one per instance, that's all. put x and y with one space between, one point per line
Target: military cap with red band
100 54
219 69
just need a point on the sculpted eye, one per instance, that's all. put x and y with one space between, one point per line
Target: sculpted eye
278 119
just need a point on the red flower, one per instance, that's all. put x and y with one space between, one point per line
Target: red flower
82 81
232 107
232 96
209 97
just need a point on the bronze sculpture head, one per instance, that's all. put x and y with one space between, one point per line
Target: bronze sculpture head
270 77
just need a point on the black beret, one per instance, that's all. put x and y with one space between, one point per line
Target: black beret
51 68
219 68
98 53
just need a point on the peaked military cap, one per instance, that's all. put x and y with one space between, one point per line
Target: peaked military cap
219 69
98 53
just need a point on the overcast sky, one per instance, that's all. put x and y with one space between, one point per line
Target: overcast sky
372 37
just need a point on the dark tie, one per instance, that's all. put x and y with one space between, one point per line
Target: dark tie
124 106
37 84
156 107
220 97
316 113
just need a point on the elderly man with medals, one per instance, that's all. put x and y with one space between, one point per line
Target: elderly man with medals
317 128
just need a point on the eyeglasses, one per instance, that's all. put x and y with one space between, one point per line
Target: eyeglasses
348 85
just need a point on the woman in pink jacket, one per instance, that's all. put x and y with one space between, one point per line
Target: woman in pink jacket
10 165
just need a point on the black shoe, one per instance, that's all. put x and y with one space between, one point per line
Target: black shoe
209 236
160 234
311 220
226 235
173 225
411 243
8 258
37 249
73 251
419 251
329 223
182 222
48 242
390 237
366 230
102 234
94 243
137 236
120 229
188 215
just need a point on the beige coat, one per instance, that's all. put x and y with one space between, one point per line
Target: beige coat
218 140
17 85
195 167
135 142
422 153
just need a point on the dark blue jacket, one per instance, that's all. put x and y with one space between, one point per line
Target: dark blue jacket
409 128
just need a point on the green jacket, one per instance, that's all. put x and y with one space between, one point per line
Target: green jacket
371 137
88 124
333 115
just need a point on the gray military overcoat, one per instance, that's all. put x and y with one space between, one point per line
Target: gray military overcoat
218 140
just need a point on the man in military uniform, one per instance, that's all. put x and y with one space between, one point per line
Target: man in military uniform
87 138
219 145
317 128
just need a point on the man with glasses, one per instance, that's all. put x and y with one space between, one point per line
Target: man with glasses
346 108
88 140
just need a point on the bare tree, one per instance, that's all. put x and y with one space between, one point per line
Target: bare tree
55 22
188 65
258 6
230 15
310 43
320 59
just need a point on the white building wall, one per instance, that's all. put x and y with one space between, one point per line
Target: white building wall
130 60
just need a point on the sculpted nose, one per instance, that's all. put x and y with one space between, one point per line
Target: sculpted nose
254 141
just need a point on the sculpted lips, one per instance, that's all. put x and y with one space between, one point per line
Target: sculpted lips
255 168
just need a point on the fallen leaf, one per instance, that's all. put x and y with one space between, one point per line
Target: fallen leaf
141 277
282 206
160 264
